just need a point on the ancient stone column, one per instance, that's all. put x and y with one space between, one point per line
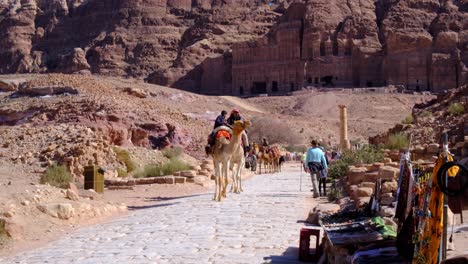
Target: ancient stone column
344 141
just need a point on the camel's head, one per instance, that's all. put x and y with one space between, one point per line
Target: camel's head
240 126
255 147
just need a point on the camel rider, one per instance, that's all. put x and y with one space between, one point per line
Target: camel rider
235 115
220 121
266 145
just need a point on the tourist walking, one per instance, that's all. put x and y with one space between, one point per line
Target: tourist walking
316 162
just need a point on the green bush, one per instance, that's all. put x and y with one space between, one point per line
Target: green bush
122 173
168 168
397 141
172 153
368 155
334 195
296 148
57 175
456 109
425 113
408 120
124 157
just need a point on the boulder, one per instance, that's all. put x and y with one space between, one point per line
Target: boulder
433 148
386 200
419 149
72 195
136 92
58 210
390 186
367 185
387 160
180 179
25 90
356 175
364 192
6 87
170 180
314 213
388 173
361 201
371 176
387 211
12 229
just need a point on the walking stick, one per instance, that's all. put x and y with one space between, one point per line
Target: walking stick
300 182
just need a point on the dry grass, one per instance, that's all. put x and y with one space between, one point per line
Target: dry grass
156 170
57 175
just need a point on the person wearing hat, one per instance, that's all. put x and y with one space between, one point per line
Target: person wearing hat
316 162
235 116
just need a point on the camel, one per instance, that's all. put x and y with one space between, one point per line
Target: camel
238 158
263 158
222 154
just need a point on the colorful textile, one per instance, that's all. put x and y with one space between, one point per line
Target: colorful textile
223 134
431 237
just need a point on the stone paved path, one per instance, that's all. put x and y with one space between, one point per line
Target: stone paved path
258 226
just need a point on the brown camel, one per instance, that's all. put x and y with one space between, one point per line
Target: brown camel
222 154
263 158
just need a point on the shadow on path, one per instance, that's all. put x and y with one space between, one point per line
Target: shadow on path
133 208
291 255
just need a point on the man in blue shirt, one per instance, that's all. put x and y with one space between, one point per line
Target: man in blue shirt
316 162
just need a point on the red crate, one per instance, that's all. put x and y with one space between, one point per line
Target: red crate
304 244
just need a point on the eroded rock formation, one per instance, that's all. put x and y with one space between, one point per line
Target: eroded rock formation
419 44
242 46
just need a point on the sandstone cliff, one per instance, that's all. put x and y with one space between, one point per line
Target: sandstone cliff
421 44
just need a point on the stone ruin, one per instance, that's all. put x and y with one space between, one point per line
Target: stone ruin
356 44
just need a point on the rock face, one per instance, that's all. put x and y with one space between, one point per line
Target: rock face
187 44
167 40
418 44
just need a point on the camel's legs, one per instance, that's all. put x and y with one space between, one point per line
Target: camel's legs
239 179
218 181
225 178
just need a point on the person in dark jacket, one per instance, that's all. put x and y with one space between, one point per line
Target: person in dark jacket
235 116
221 119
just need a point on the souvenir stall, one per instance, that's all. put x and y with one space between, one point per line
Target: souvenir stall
418 231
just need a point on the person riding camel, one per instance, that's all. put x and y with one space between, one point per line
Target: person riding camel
235 115
220 121
266 145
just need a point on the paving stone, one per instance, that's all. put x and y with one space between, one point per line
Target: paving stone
256 226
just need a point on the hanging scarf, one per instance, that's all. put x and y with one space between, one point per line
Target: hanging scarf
429 249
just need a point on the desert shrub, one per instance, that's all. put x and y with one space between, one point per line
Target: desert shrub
168 168
124 157
57 175
121 173
275 130
397 141
3 233
334 194
172 153
456 109
408 120
368 155
425 113
296 148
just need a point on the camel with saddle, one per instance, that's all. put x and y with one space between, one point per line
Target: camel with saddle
228 153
